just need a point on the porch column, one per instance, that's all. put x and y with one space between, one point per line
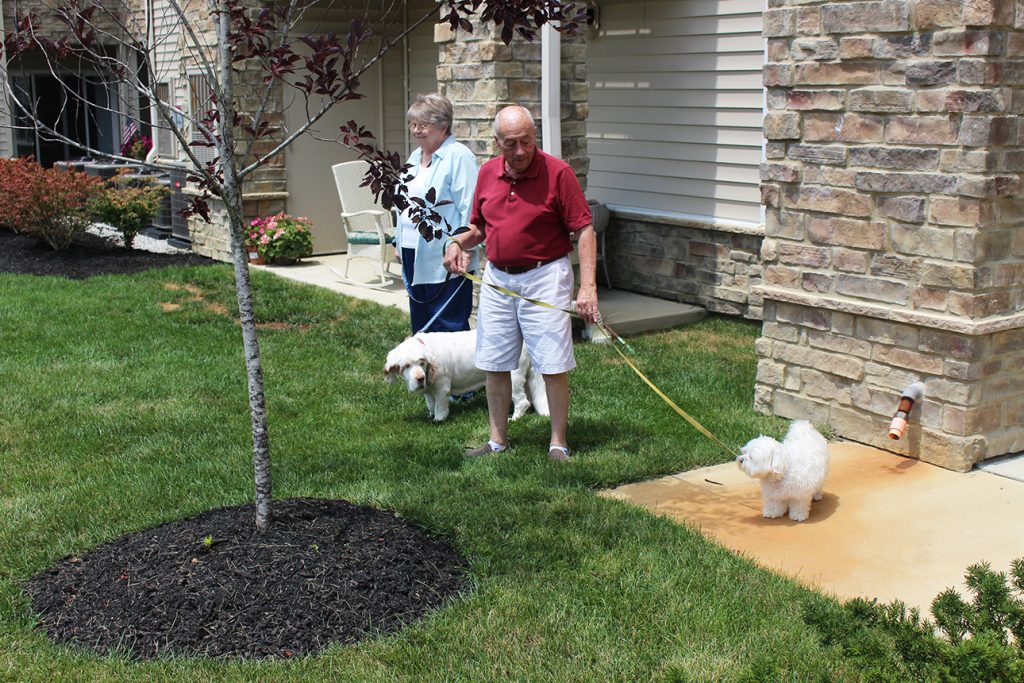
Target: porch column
480 75
264 192
894 247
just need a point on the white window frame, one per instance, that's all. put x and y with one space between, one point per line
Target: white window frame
197 79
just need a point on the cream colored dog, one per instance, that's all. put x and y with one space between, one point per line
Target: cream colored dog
439 364
792 473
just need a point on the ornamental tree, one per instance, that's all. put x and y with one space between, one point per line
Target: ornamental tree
117 38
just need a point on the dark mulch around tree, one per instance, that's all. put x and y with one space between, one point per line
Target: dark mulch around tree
89 255
325 572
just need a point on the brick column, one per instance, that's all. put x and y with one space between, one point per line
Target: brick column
894 251
480 75
264 192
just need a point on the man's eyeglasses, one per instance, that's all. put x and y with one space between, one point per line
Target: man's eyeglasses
511 143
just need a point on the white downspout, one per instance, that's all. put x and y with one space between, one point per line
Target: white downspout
764 108
550 90
150 57
5 118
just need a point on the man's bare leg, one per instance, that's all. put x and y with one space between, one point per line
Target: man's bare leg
557 389
499 399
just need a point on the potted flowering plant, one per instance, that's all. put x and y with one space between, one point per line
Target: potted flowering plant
279 238
136 146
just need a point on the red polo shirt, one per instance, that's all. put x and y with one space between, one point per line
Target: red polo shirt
529 219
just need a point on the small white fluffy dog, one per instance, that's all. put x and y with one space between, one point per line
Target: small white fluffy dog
792 473
439 364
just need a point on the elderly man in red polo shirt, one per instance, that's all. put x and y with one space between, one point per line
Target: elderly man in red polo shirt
526 206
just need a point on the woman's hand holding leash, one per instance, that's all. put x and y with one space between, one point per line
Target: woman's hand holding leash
455 260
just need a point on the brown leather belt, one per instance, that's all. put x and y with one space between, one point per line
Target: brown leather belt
516 270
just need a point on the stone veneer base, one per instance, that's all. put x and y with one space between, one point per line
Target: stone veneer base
843 368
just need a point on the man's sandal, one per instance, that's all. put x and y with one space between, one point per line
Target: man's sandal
558 453
488 448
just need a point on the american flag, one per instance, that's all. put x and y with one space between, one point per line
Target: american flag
129 132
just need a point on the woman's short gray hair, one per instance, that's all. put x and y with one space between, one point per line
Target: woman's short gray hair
433 109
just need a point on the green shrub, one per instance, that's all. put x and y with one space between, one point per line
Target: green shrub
971 641
128 203
49 203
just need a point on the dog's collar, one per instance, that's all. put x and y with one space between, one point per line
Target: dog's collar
419 339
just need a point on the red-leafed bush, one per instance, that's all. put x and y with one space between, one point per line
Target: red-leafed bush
49 203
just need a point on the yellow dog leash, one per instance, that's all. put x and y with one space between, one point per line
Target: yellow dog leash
612 335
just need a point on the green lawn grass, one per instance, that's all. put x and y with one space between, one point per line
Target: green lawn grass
123 406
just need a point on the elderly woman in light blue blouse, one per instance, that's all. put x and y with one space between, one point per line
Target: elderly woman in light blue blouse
437 302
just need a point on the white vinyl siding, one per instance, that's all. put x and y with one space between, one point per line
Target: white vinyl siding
421 62
166 33
676 107
167 67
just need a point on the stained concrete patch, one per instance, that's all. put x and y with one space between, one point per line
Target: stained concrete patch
888 527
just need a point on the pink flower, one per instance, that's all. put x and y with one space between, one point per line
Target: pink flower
265 239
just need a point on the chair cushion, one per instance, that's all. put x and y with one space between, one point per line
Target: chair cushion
363 238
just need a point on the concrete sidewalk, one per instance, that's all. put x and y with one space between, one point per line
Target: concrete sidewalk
626 312
362 282
888 527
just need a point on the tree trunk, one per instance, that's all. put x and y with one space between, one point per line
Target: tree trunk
232 196
253 363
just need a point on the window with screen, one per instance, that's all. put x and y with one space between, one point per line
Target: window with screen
166 144
200 102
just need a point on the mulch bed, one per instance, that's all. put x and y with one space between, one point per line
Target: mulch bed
89 255
326 571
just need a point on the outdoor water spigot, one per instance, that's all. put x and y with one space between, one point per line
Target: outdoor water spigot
909 396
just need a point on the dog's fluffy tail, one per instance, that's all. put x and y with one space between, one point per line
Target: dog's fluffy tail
803 429
537 393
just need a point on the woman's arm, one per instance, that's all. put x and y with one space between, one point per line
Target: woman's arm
464 171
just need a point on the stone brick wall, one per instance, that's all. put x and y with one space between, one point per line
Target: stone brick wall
714 266
212 239
480 75
893 248
107 19
265 190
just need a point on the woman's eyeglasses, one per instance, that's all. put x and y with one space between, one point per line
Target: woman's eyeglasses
420 126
